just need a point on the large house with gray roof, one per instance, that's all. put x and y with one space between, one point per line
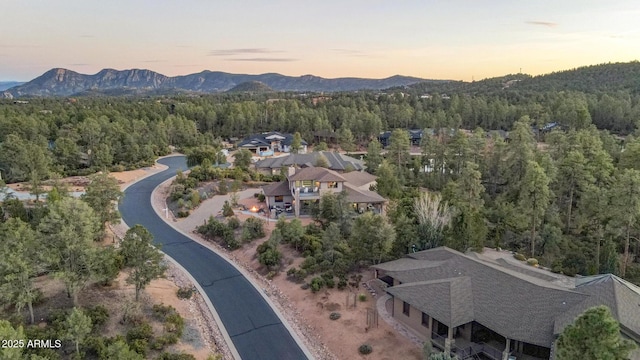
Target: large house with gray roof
492 305
305 187
336 162
267 144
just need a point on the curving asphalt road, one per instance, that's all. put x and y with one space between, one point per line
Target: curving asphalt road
255 330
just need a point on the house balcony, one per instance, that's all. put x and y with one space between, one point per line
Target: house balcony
309 192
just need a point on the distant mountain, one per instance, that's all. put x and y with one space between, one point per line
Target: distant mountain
4 85
590 79
252 87
63 82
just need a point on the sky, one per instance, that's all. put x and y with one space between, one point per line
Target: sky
448 39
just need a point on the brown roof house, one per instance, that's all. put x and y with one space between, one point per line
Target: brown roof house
492 306
305 186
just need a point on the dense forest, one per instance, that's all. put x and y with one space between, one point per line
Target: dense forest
569 197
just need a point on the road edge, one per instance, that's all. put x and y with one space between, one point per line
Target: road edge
244 273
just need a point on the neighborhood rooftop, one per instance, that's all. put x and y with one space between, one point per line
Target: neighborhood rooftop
338 162
517 302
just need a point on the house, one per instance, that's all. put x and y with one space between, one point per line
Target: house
305 187
415 137
336 161
267 144
492 305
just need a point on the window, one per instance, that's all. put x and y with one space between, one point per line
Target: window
405 308
425 320
333 185
307 183
278 198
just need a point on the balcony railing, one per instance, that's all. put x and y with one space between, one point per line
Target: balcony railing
309 191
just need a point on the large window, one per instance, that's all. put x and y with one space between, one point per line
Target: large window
333 185
278 198
425 320
405 308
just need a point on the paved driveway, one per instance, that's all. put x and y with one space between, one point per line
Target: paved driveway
254 328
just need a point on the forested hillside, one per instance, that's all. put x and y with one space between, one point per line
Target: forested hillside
573 202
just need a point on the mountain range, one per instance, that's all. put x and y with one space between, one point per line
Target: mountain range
63 82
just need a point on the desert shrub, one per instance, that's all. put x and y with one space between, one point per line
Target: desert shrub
227 211
195 198
365 349
253 228
296 275
233 222
310 264
139 346
161 311
342 283
334 316
316 284
268 255
305 286
161 342
519 257
532 261
223 189
174 323
173 356
140 332
98 314
183 213
185 292
362 297
328 280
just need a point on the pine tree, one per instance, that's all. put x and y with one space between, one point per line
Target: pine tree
143 259
593 335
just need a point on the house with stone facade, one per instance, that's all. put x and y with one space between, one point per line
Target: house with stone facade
496 307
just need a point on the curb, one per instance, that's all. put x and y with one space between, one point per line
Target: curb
293 334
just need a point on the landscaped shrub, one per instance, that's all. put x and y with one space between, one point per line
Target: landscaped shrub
532 262
185 292
233 222
519 257
362 297
253 228
183 213
316 284
334 316
261 197
365 349
227 211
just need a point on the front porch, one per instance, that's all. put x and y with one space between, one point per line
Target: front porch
483 343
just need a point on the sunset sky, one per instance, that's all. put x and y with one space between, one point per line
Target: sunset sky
461 40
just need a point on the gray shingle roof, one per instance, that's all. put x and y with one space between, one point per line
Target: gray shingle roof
622 298
450 301
362 196
277 189
316 173
515 305
359 178
337 162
